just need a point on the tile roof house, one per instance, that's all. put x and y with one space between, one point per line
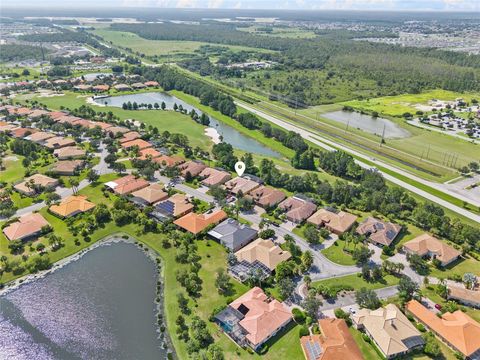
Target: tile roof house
129 136
72 206
27 226
141 144
121 87
149 153
56 114
151 83
169 161
334 343
149 195
58 142
266 196
127 184
196 223
175 206
67 167
118 130
335 222
457 329
39 182
241 184
37 113
263 251
379 232
22 132
101 88
69 152
428 245
390 329
139 85
102 125
40 137
233 235
7 128
254 318
465 296
211 176
297 209
194 167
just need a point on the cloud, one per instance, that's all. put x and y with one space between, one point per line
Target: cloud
213 4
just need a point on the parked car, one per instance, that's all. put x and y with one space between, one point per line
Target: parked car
438 306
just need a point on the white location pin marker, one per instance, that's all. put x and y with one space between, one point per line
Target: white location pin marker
240 168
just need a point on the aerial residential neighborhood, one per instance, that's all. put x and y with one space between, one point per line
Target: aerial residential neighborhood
246 183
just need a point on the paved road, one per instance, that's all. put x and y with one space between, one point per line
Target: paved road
186 189
349 298
330 145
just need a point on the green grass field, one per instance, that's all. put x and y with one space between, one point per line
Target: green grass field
357 282
337 254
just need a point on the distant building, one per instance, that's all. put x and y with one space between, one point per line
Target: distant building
379 232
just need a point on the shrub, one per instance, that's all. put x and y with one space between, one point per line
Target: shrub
420 327
303 331
366 338
298 315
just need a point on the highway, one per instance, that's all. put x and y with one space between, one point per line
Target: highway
331 145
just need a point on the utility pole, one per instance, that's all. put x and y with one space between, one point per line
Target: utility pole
383 135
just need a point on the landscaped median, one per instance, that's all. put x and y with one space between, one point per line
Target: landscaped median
356 282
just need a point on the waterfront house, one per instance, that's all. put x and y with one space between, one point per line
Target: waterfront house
196 223
71 206
27 226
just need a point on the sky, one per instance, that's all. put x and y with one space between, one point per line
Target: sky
415 5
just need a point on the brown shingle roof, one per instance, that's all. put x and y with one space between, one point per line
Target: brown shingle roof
141 144
40 136
69 152
26 226
428 244
169 161
459 329
58 142
38 180
464 295
127 184
241 184
266 196
297 210
180 204
380 232
213 176
193 167
149 152
67 166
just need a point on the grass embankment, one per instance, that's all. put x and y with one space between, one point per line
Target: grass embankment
357 282
213 257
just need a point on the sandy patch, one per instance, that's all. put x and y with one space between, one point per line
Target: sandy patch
90 101
213 134
49 93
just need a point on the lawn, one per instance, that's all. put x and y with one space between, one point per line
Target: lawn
14 170
337 254
366 349
357 282
400 104
458 268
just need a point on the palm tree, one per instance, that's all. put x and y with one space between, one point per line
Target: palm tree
74 185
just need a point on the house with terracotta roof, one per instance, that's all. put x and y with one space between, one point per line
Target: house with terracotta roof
149 195
267 197
127 184
118 130
141 144
379 232
151 83
242 185
129 136
7 128
121 87
22 111
173 207
334 343
67 167
194 167
253 318
102 125
196 223
72 206
389 329
35 183
427 245
260 256
168 161
36 113
334 221
457 330
56 114
69 152
22 132
58 142
149 153
469 297
40 137
297 209
212 177
101 88
27 226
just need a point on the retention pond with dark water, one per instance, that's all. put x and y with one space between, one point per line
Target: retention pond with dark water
101 306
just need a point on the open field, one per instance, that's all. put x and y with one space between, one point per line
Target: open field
400 104
287 32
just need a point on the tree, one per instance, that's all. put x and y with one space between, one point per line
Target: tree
286 286
307 259
312 235
407 289
418 264
470 280
311 304
362 255
367 298
51 197
74 185
431 346
183 303
222 282
93 176
267 234
16 246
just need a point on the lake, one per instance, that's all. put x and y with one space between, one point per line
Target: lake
368 123
98 307
229 134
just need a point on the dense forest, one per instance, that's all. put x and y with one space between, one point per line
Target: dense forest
13 52
380 69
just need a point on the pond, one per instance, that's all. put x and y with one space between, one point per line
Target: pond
368 123
229 134
98 307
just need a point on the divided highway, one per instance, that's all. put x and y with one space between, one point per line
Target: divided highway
330 145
